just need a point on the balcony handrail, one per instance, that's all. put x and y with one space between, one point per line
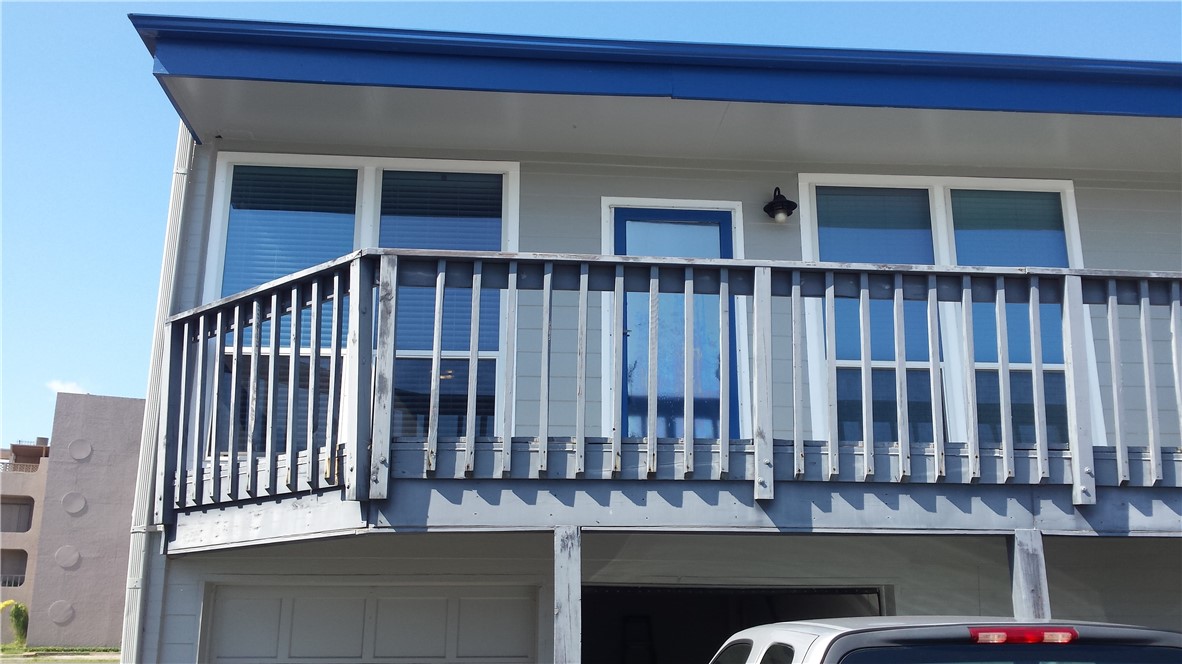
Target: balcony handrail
310 273
284 281
751 263
213 411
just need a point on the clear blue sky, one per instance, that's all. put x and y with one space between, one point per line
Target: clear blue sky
87 137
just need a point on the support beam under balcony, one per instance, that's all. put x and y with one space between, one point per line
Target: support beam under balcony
1028 575
568 594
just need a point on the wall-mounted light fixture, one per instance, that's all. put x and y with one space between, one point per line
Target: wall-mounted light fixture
779 208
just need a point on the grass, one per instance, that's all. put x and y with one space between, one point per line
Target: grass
24 653
53 650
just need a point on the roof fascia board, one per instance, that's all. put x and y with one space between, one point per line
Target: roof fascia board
295 53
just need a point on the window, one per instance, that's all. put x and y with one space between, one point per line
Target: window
284 219
13 563
735 653
16 514
275 214
278 214
777 653
940 221
431 210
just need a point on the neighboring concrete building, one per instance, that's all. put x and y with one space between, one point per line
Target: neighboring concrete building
67 509
82 549
494 349
22 493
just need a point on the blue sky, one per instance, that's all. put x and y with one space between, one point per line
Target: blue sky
87 137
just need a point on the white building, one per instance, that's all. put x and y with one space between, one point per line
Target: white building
577 397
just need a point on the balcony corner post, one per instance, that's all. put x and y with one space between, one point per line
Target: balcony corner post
356 409
168 436
383 388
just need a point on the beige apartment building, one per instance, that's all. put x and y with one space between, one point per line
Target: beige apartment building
67 509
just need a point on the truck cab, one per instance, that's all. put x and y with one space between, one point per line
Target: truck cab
930 640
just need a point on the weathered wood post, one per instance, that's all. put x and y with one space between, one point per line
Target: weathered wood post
568 595
1028 575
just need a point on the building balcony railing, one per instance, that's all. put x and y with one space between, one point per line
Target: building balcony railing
385 365
13 467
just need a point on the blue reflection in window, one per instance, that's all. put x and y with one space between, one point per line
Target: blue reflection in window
848 336
688 234
283 220
874 225
447 211
883 408
1017 332
412 397
1009 228
1021 407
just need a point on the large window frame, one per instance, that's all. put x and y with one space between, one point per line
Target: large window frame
369 192
939 190
367 221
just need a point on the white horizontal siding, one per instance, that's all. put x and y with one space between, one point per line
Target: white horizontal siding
1130 228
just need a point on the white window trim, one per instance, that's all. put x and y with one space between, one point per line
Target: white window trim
608 204
940 203
367 215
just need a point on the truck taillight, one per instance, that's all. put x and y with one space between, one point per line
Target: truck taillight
1023 634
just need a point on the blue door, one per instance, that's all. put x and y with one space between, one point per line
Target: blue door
676 233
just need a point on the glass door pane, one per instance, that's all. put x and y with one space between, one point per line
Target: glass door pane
688 234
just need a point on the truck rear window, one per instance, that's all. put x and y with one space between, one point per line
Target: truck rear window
1075 653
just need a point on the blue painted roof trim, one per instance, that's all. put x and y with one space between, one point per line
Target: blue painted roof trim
298 53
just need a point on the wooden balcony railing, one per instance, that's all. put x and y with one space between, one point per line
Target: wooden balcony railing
408 364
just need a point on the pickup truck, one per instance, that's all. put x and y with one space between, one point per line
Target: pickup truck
947 640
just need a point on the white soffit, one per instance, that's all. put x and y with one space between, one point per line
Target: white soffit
308 114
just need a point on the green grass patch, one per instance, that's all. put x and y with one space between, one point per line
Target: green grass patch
18 649
68 649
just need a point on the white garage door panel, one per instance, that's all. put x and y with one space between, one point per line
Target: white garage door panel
396 624
412 627
248 627
328 627
489 627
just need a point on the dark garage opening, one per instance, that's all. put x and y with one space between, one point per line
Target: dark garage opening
663 625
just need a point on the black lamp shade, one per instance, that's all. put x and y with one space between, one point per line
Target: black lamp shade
779 208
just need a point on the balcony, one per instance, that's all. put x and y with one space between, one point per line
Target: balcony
357 373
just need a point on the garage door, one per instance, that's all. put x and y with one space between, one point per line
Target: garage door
437 624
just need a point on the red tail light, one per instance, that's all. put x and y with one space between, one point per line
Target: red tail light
1023 634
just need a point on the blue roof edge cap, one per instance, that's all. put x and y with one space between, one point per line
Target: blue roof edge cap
1163 80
